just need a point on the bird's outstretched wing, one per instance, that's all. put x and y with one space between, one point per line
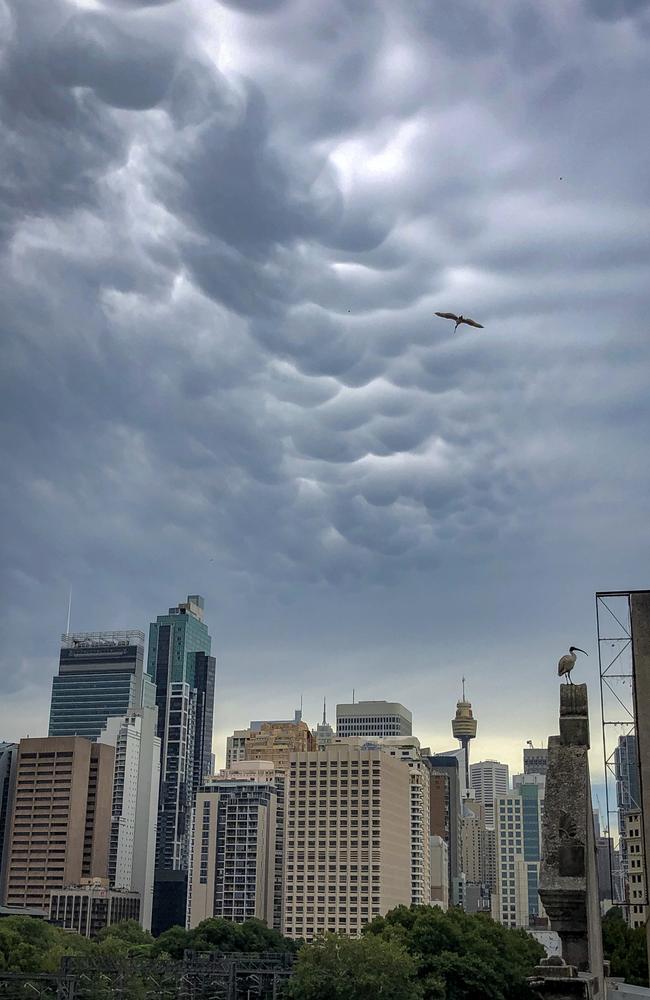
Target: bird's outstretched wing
471 322
448 316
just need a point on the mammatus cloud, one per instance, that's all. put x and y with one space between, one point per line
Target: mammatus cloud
225 230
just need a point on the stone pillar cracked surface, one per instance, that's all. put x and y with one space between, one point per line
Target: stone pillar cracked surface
568 884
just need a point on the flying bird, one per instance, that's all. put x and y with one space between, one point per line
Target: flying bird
460 319
567 662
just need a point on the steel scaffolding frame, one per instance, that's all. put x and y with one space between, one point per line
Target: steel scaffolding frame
198 976
617 704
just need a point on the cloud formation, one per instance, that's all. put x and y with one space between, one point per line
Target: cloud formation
224 232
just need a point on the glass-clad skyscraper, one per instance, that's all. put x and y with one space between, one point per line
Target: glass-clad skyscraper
184 672
101 674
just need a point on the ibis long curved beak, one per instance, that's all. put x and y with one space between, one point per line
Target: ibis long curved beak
581 650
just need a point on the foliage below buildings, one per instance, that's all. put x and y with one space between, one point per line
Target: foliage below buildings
421 953
625 949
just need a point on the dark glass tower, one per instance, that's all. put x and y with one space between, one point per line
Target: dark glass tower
184 672
101 674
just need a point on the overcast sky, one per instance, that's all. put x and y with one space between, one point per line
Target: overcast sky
224 231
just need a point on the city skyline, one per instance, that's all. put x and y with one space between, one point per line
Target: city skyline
226 376
483 746
437 738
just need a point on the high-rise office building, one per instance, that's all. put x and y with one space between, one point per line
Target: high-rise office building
629 802
535 760
234 847
518 845
204 682
490 860
60 824
626 769
180 663
8 759
348 839
489 779
445 811
373 718
101 674
136 782
604 858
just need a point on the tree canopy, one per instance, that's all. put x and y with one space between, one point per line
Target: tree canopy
459 956
216 934
420 953
335 967
31 945
625 948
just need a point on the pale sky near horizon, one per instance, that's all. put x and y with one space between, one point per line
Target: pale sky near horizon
225 228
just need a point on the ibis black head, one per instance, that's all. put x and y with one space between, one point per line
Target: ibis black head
577 649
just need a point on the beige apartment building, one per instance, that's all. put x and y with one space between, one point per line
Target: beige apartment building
473 841
348 839
439 854
60 825
635 886
407 749
276 741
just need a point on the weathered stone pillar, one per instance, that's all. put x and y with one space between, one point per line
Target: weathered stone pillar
568 884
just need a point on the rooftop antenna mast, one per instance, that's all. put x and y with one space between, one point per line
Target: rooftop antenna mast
67 627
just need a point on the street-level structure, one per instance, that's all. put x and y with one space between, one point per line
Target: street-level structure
90 907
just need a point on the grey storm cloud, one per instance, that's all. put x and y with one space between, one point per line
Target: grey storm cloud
225 229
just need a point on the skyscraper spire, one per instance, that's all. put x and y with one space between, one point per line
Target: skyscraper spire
324 711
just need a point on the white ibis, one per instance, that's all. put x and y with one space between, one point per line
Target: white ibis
460 319
567 662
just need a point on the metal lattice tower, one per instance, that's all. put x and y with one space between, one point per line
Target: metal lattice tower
619 723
